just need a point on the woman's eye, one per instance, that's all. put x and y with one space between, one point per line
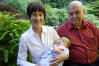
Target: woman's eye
41 15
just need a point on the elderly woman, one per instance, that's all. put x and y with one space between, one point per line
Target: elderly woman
37 39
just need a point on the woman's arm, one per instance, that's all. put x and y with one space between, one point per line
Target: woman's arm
22 54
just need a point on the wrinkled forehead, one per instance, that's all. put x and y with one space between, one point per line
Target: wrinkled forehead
74 6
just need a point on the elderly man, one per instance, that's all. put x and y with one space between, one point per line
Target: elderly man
84 37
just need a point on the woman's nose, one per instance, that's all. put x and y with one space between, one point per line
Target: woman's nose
37 17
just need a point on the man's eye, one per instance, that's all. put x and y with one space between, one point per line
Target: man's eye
77 12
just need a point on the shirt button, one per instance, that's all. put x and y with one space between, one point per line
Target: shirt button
84 45
82 37
88 51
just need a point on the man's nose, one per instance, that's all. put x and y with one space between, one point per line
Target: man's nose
74 15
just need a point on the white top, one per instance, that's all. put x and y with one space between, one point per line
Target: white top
29 41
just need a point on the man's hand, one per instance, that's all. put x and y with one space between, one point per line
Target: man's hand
53 65
57 59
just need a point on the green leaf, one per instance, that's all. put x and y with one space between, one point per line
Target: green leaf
1 48
6 56
3 35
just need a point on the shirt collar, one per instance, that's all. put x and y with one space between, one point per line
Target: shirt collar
70 26
44 30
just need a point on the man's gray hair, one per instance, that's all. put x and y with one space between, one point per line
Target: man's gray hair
79 2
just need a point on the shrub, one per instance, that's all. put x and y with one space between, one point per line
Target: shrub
92 18
10 32
21 5
93 8
55 16
11 9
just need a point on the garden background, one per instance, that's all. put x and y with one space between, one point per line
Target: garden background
14 21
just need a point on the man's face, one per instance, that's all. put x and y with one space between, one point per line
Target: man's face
76 14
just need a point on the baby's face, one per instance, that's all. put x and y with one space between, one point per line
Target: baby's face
63 42
58 42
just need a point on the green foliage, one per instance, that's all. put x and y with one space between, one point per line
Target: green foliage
92 7
55 16
57 3
95 6
10 32
92 18
88 9
19 4
61 3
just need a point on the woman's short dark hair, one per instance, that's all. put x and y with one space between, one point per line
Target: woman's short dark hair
35 6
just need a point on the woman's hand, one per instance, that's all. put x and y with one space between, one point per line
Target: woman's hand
57 59
53 65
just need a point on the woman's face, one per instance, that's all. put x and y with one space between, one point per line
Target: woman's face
37 19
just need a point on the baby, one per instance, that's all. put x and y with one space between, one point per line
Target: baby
60 46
